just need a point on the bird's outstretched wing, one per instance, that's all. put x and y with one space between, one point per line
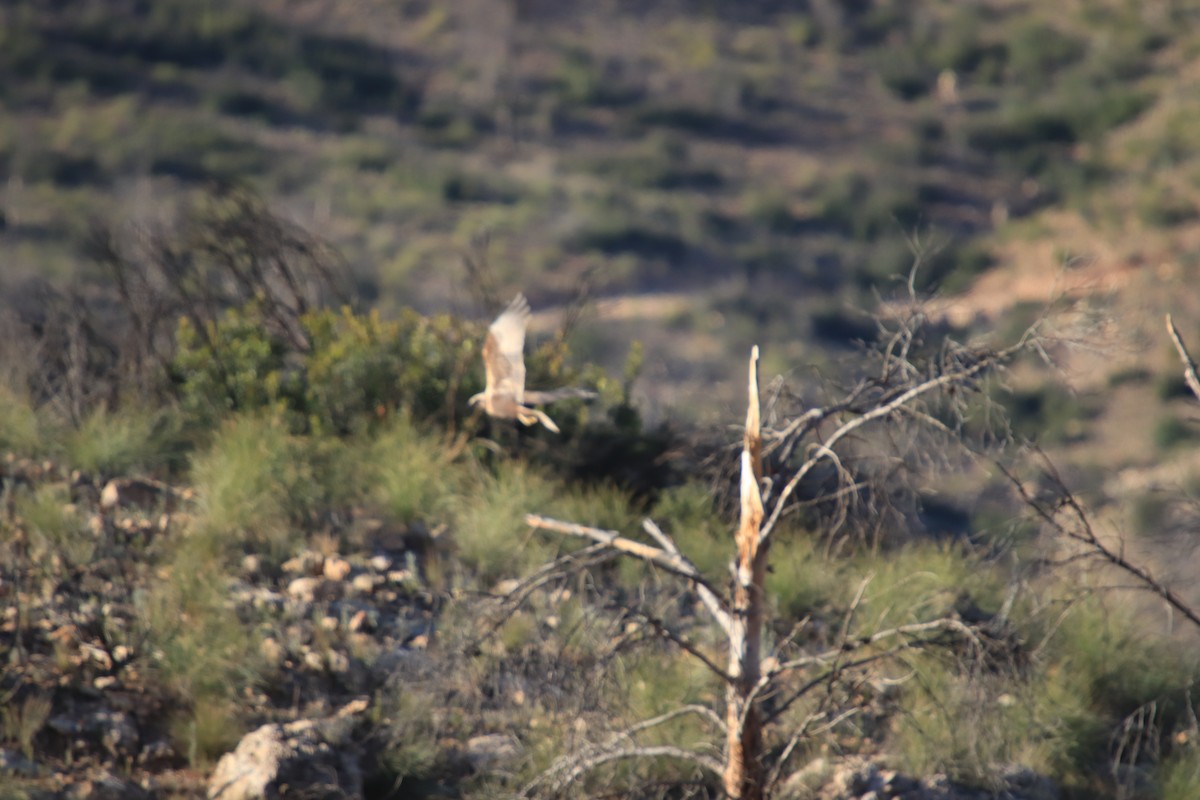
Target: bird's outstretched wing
503 351
553 395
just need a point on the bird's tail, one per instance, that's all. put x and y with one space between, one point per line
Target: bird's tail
532 416
554 395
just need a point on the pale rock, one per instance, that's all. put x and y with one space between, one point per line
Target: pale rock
336 569
401 576
127 493
272 651
307 758
118 732
364 583
506 587
105 786
380 563
485 751
307 563
251 565
339 662
304 589
361 621
158 750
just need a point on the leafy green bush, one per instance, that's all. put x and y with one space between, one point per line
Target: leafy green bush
234 365
358 368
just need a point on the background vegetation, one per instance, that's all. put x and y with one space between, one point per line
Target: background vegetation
714 175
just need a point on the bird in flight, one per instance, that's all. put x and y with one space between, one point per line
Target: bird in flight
504 395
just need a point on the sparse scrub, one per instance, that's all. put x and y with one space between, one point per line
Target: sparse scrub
409 474
58 534
22 720
20 428
204 654
132 440
489 529
255 488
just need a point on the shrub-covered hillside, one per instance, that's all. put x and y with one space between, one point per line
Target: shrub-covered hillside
282 519
760 167
249 249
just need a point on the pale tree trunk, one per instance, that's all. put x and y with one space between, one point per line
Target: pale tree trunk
744 771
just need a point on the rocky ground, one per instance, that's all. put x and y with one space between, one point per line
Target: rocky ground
87 712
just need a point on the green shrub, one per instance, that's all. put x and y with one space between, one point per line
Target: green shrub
109 443
1178 777
1051 413
358 368
204 654
20 429
489 530
234 365
687 513
1171 432
55 526
410 475
255 486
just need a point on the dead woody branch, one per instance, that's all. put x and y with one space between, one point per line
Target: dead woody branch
896 393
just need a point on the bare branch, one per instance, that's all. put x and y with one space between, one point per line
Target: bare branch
674 563
621 745
1189 365
885 407
1078 528
711 601
664 631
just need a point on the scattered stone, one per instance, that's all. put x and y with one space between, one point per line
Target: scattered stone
482 752
304 589
15 764
336 569
365 583
380 563
339 663
401 576
361 621
307 563
117 730
136 493
106 786
313 660
251 565
158 750
272 651
307 758
506 587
